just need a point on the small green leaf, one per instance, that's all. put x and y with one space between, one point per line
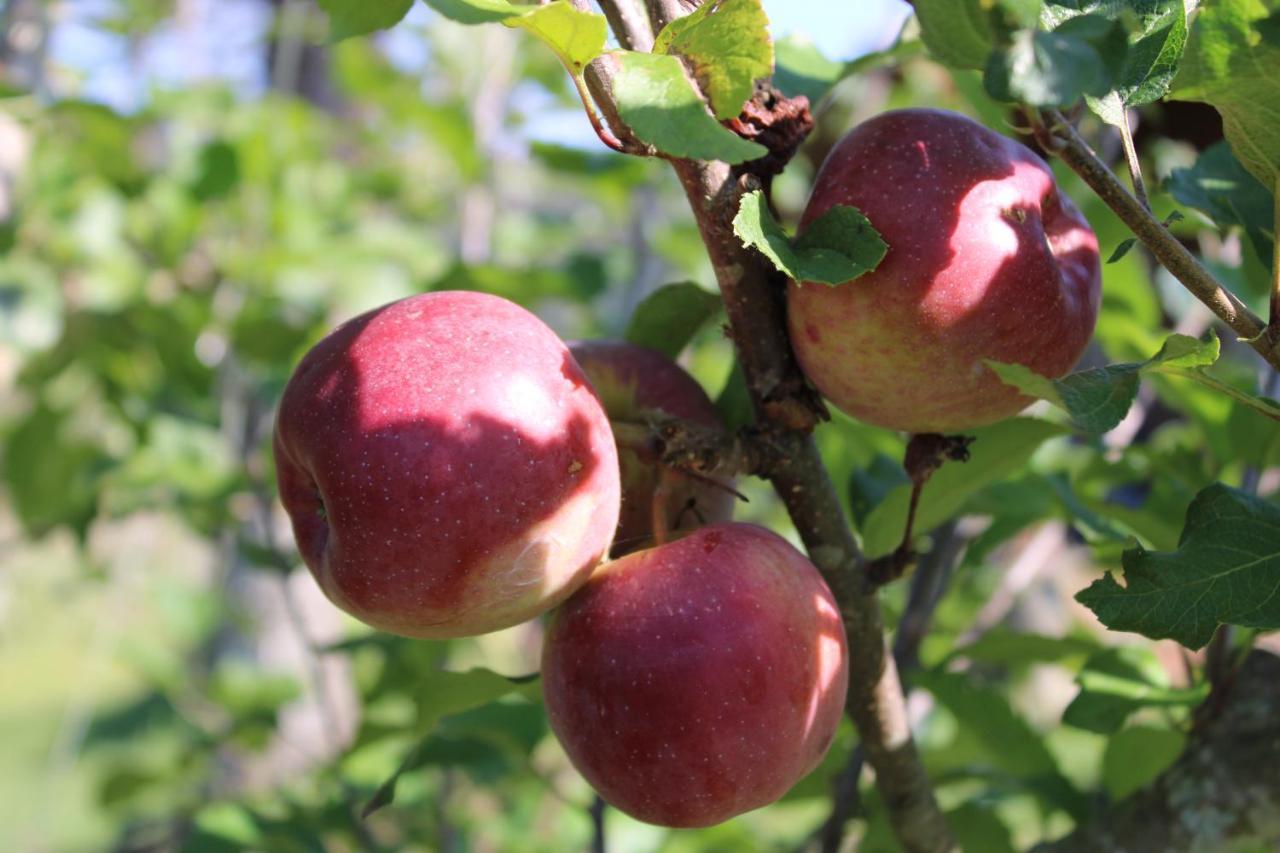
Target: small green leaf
1098 399
670 316
659 103
1122 249
349 18
1116 682
837 247
1226 570
728 47
999 450
1230 64
1136 756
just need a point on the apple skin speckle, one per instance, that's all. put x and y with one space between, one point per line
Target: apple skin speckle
986 260
447 467
700 679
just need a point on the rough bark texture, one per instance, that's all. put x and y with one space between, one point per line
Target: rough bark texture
1222 791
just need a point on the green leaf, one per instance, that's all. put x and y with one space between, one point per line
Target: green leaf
1116 682
52 473
1082 56
1097 399
576 37
869 486
802 69
475 11
1222 189
1122 249
1156 35
1226 570
727 46
979 827
837 247
733 403
1136 756
958 33
218 172
1005 647
659 103
441 694
349 18
1230 64
1012 744
999 450
245 689
670 316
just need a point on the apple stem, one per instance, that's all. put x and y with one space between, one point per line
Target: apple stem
660 520
926 452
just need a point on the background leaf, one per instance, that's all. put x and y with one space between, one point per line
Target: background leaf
1226 571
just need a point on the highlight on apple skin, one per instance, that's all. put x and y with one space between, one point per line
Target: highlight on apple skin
446 465
986 260
633 381
700 679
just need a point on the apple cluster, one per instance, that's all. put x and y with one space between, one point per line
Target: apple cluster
450 469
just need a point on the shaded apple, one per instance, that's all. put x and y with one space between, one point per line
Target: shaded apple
635 382
446 465
700 679
986 260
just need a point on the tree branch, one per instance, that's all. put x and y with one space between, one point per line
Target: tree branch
629 24
786 408
753 294
1225 787
1057 134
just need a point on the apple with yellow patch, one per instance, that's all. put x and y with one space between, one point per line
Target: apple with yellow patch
447 466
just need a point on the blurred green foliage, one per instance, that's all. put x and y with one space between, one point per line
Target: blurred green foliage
163 271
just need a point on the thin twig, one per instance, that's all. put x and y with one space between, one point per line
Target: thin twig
1057 134
597 811
1131 158
1274 324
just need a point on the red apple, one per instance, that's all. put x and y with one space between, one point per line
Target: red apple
448 469
635 382
986 260
700 679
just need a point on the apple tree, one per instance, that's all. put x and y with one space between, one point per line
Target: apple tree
909 480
